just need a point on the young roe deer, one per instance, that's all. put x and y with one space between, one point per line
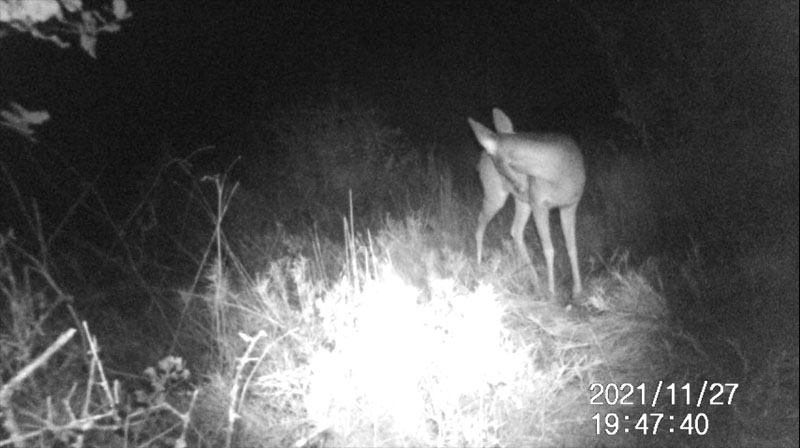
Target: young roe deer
542 172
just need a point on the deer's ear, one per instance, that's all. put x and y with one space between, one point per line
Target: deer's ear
502 124
485 136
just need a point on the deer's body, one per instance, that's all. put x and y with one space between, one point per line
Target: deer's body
542 172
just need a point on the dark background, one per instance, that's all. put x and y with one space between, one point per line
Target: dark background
194 73
713 83
686 112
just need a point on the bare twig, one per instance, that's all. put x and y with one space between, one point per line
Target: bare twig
8 389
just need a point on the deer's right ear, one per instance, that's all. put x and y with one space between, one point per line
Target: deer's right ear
485 136
502 124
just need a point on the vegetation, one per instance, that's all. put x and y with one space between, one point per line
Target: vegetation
332 298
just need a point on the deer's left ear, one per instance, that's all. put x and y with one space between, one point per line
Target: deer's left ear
485 136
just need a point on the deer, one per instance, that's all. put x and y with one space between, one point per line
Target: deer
542 171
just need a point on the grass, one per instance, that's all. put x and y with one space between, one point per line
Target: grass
221 328
406 344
